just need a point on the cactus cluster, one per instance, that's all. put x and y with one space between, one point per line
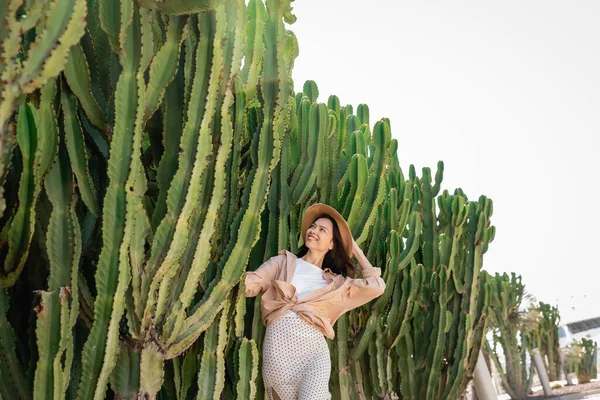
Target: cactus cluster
544 336
587 368
510 330
420 339
150 152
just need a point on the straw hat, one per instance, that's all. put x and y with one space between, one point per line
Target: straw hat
316 210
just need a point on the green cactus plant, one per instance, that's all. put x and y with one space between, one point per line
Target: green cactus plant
587 368
151 154
544 336
510 330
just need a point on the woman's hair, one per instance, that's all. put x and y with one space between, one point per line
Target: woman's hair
336 259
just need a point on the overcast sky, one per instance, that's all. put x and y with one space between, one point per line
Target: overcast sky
506 93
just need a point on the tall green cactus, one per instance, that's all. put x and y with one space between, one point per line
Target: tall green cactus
152 151
588 360
544 336
510 332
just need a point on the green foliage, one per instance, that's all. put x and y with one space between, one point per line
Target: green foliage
151 152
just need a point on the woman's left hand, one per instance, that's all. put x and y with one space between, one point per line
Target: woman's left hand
356 251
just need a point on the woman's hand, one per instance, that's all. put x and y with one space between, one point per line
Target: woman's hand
360 257
356 251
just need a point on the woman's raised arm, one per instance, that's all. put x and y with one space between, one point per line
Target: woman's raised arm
362 290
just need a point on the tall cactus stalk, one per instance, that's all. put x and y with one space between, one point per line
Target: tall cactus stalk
588 360
150 153
510 332
549 347
544 336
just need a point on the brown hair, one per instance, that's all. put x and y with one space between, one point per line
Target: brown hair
336 259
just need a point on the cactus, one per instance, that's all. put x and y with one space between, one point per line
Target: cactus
587 368
151 154
544 336
510 331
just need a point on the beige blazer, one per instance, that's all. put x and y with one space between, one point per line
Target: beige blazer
323 306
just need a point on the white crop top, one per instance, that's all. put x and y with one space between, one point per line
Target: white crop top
307 278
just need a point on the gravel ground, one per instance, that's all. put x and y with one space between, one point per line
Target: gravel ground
565 390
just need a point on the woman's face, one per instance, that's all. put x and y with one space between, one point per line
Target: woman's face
319 236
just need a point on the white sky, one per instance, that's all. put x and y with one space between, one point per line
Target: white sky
506 93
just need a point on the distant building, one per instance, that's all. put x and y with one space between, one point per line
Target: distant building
588 328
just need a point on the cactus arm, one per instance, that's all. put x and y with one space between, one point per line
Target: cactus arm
223 339
240 135
13 380
97 48
46 59
276 101
359 177
34 15
110 20
135 214
180 7
7 143
65 349
307 142
78 153
206 375
48 130
254 46
240 310
68 324
342 356
164 65
172 127
323 163
317 124
436 347
77 73
21 227
248 370
189 63
4 13
211 374
168 269
47 338
381 361
137 183
189 369
151 372
125 378
54 318
374 193
179 183
398 263
218 193
11 67
46 139
108 277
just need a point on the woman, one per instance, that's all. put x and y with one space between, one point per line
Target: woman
302 297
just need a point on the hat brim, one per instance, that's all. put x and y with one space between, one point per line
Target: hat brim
316 210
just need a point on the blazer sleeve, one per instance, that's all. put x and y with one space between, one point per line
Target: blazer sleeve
362 290
259 281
